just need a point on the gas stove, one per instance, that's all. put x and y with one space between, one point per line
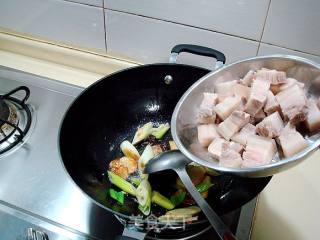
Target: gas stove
38 199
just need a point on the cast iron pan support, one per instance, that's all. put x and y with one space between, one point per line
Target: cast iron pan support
133 233
22 103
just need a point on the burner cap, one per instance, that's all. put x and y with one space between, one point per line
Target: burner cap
4 111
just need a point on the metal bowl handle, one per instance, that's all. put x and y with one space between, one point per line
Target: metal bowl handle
199 50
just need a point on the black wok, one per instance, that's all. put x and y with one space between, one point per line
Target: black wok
111 110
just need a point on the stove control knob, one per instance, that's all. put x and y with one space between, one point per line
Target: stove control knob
33 234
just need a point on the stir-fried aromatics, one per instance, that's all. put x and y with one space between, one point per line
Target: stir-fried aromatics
253 113
126 172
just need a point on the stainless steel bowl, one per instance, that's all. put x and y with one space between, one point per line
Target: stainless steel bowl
183 123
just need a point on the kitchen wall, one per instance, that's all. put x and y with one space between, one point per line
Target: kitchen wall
146 30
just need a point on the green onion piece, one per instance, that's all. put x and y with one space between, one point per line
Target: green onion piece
142 133
160 131
178 197
121 183
144 196
145 209
146 156
135 181
204 186
161 200
119 196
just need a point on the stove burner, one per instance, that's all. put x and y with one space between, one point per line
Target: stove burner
15 119
4 111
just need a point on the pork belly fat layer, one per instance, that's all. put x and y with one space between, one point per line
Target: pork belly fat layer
241 91
272 104
275 89
274 77
291 141
233 124
215 147
259 151
270 126
230 158
225 108
248 78
206 114
293 104
258 96
242 136
313 117
206 134
225 88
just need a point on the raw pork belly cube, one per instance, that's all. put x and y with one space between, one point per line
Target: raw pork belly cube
236 146
206 134
215 148
293 103
241 91
225 88
291 141
230 157
242 136
272 104
225 108
313 117
259 116
270 126
275 89
233 124
258 96
248 78
274 77
259 151
206 114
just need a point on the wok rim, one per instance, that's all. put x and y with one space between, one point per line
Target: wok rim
247 172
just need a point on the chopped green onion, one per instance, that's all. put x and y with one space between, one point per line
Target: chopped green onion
145 209
178 197
160 131
142 133
129 150
119 196
121 183
161 200
146 156
135 181
204 186
144 196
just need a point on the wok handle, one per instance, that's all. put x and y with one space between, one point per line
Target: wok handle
199 50
222 230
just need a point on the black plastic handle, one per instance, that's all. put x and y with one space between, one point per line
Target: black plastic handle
199 50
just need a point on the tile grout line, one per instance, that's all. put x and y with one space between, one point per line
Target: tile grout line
105 27
291 49
86 4
183 24
264 25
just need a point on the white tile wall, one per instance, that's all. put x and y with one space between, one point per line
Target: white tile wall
294 24
267 49
60 21
98 3
146 30
238 17
149 40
